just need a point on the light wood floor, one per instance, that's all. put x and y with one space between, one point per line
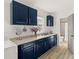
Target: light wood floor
60 52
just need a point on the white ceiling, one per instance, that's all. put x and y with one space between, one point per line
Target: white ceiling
63 7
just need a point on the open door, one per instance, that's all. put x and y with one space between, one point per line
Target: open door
71 33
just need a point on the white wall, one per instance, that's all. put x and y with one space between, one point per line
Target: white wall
57 27
10 30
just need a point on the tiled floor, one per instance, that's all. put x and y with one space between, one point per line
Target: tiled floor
60 52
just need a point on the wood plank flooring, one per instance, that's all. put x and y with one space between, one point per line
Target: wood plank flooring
59 52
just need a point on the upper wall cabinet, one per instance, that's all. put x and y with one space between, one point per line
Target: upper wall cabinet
50 20
23 15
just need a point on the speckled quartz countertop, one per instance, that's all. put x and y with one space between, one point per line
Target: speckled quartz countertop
29 39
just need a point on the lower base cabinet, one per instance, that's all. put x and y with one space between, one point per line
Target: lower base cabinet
35 49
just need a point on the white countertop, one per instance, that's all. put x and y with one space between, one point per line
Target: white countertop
8 43
15 42
25 40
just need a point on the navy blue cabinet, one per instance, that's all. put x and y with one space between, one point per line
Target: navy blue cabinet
23 15
26 51
20 14
46 44
50 20
32 16
39 49
55 40
35 49
52 41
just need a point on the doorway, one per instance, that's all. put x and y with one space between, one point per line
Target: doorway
63 32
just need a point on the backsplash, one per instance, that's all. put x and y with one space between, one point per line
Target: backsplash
12 31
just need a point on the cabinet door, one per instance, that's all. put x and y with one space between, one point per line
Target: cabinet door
39 50
32 16
26 51
51 24
55 40
49 20
20 14
49 43
52 41
46 44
